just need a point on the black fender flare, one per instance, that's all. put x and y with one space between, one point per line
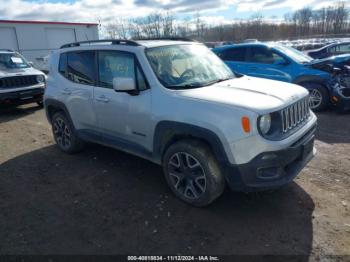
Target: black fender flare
57 105
168 132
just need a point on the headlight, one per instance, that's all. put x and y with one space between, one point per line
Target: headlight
265 124
40 78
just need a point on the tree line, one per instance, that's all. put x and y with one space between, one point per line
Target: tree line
303 23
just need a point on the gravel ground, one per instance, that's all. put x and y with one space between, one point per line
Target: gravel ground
103 201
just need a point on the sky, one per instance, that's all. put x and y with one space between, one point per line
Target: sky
106 11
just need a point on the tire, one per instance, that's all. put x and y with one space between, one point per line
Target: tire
319 97
64 134
193 173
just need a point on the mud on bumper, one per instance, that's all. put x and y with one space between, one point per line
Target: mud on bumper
272 169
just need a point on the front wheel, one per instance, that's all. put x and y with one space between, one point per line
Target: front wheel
319 97
193 173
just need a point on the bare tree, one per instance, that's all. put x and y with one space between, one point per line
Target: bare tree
301 23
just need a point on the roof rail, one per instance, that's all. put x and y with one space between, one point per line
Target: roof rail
112 41
167 38
7 50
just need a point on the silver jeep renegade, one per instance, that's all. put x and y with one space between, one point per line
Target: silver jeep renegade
177 104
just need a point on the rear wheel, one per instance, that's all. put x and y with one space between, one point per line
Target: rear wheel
193 173
319 97
64 134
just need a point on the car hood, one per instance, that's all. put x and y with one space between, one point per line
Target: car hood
256 94
19 72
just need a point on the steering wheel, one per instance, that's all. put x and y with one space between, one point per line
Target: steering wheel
188 73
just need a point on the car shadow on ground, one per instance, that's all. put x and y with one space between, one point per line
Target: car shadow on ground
13 113
102 201
328 129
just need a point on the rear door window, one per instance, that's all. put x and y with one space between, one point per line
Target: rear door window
264 55
344 48
81 67
234 54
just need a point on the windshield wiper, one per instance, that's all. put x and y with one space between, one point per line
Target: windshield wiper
186 86
197 85
217 81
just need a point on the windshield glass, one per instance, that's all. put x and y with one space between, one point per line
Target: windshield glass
294 54
12 60
187 66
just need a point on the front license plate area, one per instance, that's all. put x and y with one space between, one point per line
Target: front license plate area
308 147
25 95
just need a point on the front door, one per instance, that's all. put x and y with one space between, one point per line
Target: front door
123 118
266 63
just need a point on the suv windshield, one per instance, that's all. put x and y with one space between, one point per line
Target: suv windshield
294 54
12 60
187 66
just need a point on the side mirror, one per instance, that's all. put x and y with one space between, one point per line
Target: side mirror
31 63
124 84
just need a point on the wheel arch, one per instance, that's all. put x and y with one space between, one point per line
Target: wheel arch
169 132
311 79
53 106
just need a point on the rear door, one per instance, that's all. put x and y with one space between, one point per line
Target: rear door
235 58
76 92
265 62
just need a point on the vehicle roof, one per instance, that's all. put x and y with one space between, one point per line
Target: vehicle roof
245 45
110 43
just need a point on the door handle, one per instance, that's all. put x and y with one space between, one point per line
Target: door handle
102 99
66 91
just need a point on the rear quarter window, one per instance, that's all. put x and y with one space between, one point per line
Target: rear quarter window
62 66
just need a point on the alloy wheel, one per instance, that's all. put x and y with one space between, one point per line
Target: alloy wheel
62 133
187 175
315 99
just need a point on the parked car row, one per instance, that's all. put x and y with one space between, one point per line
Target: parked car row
327 80
304 45
334 49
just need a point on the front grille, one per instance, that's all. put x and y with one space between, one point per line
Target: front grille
18 81
295 115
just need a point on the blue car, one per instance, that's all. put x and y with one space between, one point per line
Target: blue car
278 62
330 50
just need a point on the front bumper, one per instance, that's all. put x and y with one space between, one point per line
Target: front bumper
272 169
16 98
